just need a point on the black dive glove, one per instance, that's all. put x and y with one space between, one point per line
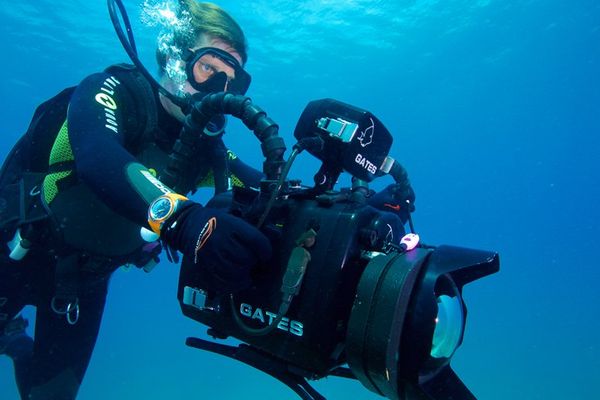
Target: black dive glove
398 198
225 248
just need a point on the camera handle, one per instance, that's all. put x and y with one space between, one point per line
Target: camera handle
270 365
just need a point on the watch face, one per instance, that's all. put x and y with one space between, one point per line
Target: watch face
161 208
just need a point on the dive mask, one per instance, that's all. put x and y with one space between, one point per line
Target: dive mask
205 71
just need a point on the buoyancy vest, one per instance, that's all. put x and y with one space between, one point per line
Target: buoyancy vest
27 164
85 222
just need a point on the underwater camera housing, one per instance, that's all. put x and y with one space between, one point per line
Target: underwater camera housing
343 288
342 296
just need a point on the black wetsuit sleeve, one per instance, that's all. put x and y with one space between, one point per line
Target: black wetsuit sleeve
99 120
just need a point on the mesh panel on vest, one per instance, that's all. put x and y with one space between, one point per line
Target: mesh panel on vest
61 152
209 181
51 184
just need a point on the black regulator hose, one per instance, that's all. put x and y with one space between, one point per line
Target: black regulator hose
193 139
255 119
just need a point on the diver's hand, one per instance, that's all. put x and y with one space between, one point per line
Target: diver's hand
223 246
398 198
147 257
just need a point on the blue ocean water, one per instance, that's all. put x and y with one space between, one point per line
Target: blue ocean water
495 110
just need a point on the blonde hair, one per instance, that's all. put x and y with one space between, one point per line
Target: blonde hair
211 20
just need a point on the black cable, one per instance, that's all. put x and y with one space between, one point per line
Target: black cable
275 193
283 307
307 143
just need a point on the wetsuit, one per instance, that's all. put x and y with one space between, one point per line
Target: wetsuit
100 177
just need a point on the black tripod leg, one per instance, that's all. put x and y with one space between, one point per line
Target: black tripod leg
261 361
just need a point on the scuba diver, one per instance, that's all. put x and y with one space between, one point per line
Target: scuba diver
81 193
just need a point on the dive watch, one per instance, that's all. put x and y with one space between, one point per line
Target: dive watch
162 209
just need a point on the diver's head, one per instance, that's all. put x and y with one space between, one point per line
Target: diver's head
206 56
